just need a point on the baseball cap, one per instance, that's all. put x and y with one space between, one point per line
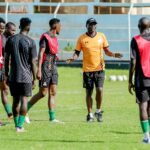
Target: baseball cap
91 20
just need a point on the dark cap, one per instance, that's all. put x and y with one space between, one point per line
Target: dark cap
91 20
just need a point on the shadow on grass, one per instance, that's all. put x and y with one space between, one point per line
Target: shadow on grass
52 140
124 132
67 141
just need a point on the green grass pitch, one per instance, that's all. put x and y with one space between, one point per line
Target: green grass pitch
119 131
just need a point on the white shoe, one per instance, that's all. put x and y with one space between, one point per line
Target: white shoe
27 119
57 121
19 130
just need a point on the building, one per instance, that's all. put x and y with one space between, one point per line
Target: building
79 9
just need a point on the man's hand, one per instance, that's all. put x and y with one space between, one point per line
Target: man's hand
70 60
39 75
2 60
118 55
131 88
33 85
6 80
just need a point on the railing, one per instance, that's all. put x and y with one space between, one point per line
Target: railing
90 5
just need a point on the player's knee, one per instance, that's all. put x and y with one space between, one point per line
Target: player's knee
53 93
99 89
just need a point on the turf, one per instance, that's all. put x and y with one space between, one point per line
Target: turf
120 129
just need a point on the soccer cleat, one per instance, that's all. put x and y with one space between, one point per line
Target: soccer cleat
20 129
27 119
146 140
56 121
99 116
89 118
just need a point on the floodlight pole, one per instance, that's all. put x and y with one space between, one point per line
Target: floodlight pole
129 26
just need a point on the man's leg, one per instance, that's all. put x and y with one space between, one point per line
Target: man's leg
149 112
42 93
23 111
51 101
89 104
15 109
143 111
99 97
4 93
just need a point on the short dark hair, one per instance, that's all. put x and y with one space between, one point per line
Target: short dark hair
2 20
24 22
8 24
144 23
53 21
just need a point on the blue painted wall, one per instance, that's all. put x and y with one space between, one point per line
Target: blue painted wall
115 27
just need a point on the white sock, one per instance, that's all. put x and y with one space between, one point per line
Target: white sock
98 110
91 114
146 135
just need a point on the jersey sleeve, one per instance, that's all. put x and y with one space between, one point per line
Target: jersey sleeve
7 46
78 45
105 42
33 51
134 49
42 43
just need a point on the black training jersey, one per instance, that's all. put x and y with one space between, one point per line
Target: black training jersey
22 51
140 79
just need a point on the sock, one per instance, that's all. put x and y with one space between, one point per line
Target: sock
51 115
98 110
91 114
8 108
21 121
149 121
29 106
146 135
16 120
145 128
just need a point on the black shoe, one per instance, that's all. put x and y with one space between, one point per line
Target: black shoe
99 116
89 118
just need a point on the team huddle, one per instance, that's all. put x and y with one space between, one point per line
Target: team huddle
19 69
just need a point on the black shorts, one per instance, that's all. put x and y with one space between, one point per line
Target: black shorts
1 75
91 78
49 77
20 89
142 94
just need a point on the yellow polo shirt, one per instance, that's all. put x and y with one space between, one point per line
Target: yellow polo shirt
92 49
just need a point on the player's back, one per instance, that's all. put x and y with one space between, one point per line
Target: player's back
20 51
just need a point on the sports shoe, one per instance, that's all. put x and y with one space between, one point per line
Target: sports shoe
99 116
20 129
56 121
89 118
27 119
146 140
